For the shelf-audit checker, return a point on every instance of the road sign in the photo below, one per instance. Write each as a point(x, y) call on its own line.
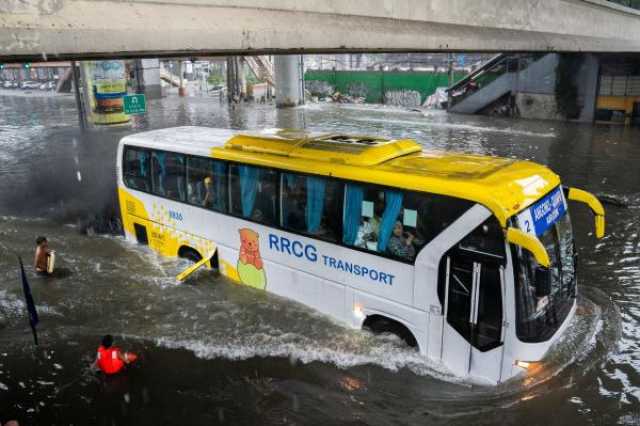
point(135, 104)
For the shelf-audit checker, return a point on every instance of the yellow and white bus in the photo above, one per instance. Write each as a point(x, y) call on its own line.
point(468, 258)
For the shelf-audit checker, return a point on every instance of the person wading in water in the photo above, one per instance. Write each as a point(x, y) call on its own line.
point(111, 359)
point(42, 255)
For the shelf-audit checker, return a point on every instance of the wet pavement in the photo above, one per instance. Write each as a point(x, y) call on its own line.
point(216, 353)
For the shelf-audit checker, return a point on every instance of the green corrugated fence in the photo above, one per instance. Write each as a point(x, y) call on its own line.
point(372, 85)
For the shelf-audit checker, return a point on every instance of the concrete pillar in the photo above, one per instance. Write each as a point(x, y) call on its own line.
point(242, 75)
point(587, 82)
point(182, 90)
point(80, 104)
point(150, 72)
point(233, 80)
point(289, 80)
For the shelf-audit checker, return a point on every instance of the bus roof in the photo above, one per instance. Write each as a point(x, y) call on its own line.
point(505, 186)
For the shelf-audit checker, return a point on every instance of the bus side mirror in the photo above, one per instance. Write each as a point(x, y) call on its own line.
point(594, 204)
point(531, 243)
point(543, 281)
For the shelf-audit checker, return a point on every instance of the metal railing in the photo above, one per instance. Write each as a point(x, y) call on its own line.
point(482, 77)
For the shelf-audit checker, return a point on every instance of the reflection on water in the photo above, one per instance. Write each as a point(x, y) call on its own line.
point(214, 352)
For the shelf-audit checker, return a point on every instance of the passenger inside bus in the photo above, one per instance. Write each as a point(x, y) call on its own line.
point(206, 183)
point(207, 199)
point(389, 221)
point(401, 242)
point(366, 233)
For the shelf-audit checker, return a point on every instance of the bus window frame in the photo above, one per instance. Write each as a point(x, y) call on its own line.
point(125, 149)
point(184, 171)
point(188, 157)
point(338, 239)
point(277, 213)
point(278, 226)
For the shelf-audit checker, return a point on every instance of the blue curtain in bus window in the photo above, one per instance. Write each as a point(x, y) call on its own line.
point(180, 177)
point(289, 182)
point(162, 173)
point(143, 163)
point(393, 205)
point(315, 203)
point(248, 188)
point(220, 177)
point(352, 213)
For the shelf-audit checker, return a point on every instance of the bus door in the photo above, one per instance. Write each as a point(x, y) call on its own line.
point(471, 284)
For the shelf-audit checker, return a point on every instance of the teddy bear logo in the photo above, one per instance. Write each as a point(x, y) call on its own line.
point(250, 266)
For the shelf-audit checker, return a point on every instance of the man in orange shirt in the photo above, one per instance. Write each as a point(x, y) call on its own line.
point(110, 358)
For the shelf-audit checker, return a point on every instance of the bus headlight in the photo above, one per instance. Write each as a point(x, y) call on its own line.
point(530, 366)
point(357, 311)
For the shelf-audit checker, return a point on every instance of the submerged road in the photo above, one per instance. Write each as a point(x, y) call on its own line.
point(216, 353)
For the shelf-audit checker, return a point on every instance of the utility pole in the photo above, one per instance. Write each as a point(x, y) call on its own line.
point(450, 63)
point(181, 89)
point(82, 116)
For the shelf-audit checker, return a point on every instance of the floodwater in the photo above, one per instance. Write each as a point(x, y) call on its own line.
point(217, 353)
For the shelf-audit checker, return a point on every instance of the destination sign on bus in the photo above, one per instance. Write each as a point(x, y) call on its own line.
point(544, 213)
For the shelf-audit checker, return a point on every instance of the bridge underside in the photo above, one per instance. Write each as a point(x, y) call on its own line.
point(80, 29)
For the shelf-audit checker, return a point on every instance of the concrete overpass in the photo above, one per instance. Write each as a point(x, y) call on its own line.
point(77, 29)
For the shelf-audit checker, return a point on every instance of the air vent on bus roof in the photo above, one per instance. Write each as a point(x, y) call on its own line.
point(352, 139)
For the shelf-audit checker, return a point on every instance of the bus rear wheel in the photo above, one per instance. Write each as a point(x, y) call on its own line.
point(189, 254)
point(379, 324)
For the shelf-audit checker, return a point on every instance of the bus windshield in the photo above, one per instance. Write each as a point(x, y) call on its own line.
point(538, 318)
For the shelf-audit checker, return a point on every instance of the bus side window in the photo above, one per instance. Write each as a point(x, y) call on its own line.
point(175, 177)
point(369, 218)
point(394, 222)
point(254, 193)
point(207, 183)
point(136, 169)
point(311, 204)
point(197, 172)
point(486, 240)
point(219, 197)
point(360, 221)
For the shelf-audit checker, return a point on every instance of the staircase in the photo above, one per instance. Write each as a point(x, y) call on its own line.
point(172, 79)
point(493, 80)
point(64, 84)
point(261, 67)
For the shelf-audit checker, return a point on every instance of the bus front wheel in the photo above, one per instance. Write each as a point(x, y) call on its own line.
point(379, 324)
